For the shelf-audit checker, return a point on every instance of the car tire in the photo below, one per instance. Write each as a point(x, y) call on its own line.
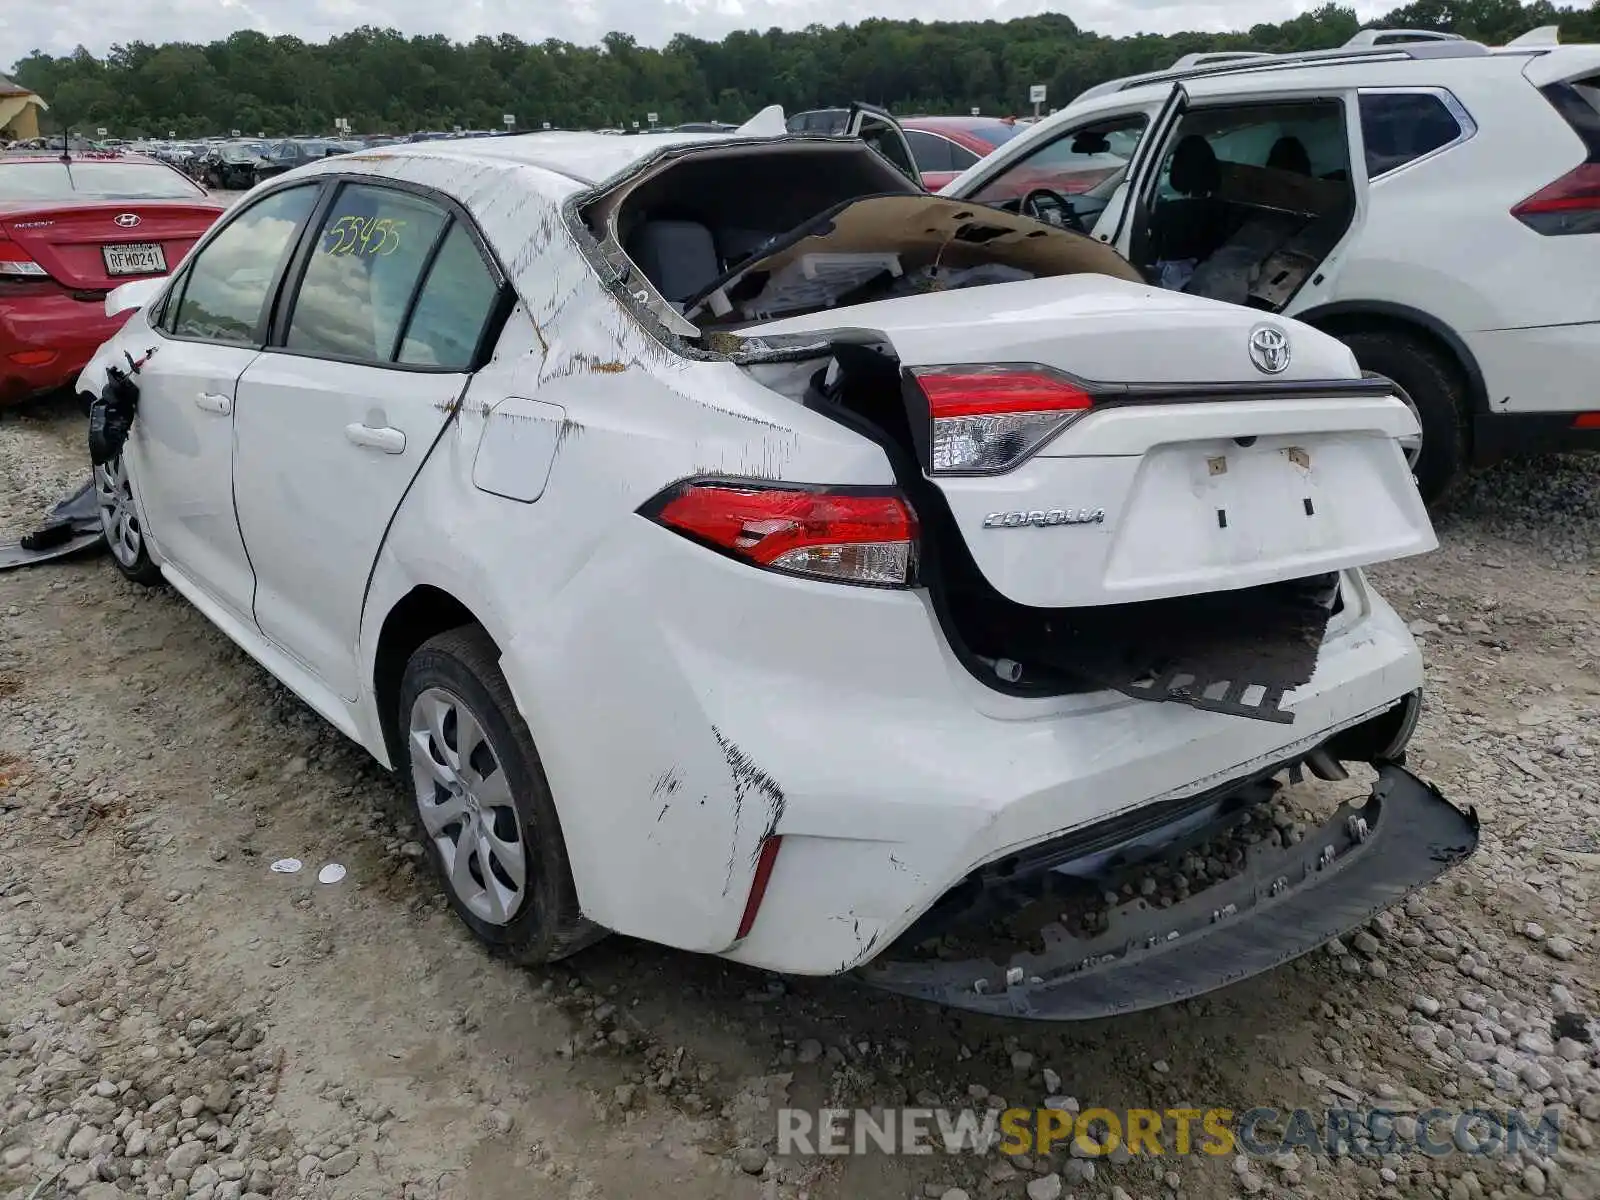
point(119, 522)
point(1432, 385)
point(476, 824)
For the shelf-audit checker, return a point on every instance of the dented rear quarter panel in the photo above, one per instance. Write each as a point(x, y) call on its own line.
point(661, 810)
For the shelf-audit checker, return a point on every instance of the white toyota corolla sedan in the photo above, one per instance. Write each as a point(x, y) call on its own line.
point(733, 546)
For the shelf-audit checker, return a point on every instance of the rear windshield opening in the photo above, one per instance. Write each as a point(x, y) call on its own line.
point(91, 180)
point(755, 233)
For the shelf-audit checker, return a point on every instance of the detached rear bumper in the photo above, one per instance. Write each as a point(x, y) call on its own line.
point(1284, 904)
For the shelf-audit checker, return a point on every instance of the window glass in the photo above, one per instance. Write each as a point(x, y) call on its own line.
point(960, 157)
point(932, 153)
point(454, 305)
point(363, 269)
point(1078, 160)
point(93, 179)
point(1397, 127)
point(225, 293)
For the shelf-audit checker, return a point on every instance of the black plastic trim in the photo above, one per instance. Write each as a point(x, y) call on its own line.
point(1497, 436)
point(1477, 390)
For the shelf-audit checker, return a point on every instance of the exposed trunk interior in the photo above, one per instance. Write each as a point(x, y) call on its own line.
point(1249, 202)
point(1234, 651)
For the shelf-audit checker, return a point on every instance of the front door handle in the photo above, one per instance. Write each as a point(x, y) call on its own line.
point(387, 439)
point(214, 402)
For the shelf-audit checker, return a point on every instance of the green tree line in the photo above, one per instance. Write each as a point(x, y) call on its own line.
point(383, 81)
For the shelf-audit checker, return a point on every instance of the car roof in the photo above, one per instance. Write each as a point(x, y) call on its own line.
point(584, 157)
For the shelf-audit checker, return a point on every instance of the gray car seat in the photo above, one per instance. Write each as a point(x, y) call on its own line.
point(679, 257)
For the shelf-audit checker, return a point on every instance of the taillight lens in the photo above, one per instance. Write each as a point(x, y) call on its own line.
point(988, 419)
point(863, 537)
point(1569, 205)
point(17, 262)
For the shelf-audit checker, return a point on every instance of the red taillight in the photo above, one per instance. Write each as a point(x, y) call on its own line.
point(765, 860)
point(846, 536)
point(1590, 420)
point(17, 262)
point(989, 419)
point(1569, 205)
point(33, 358)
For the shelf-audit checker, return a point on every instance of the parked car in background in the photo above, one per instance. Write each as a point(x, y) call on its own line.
point(867, 122)
point(946, 146)
point(234, 166)
point(1432, 202)
point(297, 152)
point(953, 457)
point(71, 229)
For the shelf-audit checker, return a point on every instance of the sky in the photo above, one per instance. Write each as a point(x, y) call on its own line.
point(59, 26)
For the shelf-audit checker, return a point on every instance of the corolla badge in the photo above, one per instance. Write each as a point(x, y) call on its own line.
point(125, 220)
point(1041, 518)
point(1269, 349)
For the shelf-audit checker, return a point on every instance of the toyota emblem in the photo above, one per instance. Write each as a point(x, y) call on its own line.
point(1269, 349)
point(126, 220)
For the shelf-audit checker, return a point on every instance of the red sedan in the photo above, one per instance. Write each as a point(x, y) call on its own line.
point(71, 229)
point(946, 146)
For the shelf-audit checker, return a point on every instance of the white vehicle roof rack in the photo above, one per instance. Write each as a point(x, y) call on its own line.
point(1398, 37)
point(1217, 56)
point(1545, 35)
point(1442, 46)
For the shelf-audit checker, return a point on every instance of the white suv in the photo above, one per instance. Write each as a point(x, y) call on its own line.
point(1435, 204)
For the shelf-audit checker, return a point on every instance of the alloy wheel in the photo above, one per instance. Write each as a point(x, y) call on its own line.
point(464, 799)
point(118, 518)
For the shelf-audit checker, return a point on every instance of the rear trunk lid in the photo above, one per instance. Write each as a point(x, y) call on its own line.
point(98, 245)
point(1103, 442)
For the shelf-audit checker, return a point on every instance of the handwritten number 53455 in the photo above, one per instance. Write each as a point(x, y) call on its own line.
point(368, 236)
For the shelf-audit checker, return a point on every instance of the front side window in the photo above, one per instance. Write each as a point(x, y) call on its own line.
point(226, 289)
point(364, 267)
point(1398, 127)
point(1079, 160)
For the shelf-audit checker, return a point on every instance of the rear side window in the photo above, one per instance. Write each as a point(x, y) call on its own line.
point(453, 307)
point(225, 290)
point(369, 254)
point(932, 153)
point(1399, 127)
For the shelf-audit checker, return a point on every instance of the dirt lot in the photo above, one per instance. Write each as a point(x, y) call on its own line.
point(176, 1020)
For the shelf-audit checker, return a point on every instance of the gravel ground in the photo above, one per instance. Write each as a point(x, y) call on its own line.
point(176, 1020)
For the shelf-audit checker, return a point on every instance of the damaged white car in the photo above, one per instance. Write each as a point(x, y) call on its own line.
point(733, 546)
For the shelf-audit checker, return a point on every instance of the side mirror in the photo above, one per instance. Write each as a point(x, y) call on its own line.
point(1090, 142)
point(133, 295)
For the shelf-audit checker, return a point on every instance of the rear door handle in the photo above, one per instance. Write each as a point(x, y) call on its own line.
point(387, 439)
point(214, 402)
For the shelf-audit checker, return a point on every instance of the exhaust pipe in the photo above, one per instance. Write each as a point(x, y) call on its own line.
point(1325, 766)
